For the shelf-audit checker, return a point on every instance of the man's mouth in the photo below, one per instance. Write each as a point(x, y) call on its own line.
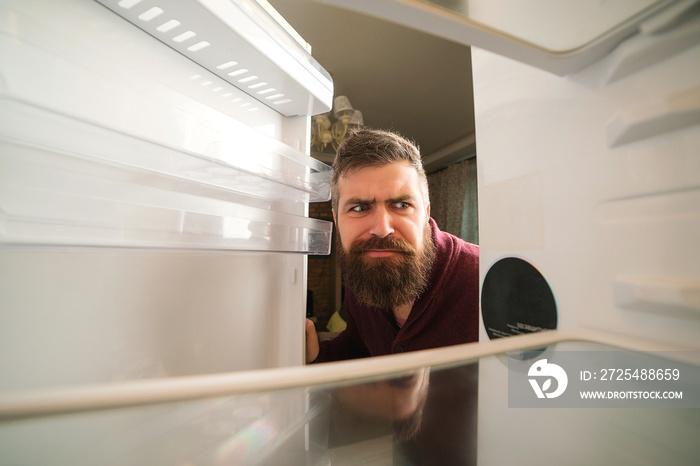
point(381, 252)
point(381, 247)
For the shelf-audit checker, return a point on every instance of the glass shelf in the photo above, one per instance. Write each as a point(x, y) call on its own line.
point(397, 409)
point(245, 430)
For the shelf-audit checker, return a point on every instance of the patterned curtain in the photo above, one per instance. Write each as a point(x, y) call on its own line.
point(453, 200)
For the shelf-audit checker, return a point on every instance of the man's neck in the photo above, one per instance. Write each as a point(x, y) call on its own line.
point(401, 312)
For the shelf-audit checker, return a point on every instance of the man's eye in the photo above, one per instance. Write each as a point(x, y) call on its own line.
point(359, 208)
point(402, 205)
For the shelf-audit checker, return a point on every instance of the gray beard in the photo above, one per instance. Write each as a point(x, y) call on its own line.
point(387, 282)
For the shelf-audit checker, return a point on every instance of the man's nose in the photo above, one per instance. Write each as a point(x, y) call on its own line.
point(382, 223)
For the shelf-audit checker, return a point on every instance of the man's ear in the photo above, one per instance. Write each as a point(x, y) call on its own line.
point(428, 210)
point(335, 218)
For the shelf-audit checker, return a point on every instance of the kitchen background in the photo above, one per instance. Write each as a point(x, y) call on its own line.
point(403, 80)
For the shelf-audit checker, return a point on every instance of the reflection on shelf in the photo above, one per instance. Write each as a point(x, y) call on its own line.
point(396, 409)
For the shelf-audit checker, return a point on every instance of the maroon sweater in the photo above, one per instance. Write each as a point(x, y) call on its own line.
point(447, 313)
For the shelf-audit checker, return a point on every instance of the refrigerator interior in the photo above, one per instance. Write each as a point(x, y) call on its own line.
point(595, 174)
point(598, 181)
point(154, 191)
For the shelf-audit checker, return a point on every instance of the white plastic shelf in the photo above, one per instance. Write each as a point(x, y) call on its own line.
point(107, 141)
point(240, 42)
point(51, 197)
point(241, 160)
point(67, 87)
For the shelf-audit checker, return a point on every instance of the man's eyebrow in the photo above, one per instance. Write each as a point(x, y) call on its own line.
point(401, 198)
point(358, 200)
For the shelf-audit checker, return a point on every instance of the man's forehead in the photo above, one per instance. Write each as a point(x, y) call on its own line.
point(397, 175)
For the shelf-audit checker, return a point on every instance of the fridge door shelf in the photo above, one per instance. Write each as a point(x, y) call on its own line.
point(238, 159)
point(242, 43)
point(52, 197)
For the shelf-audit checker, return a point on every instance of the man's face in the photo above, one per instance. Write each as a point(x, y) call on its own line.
point(381, 201)
point(382, 221)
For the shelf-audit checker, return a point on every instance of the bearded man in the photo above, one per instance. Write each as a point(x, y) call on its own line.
point(409, 286)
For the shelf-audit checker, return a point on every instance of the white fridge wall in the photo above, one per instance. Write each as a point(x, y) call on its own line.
point(612, 227)
point(591, 217)
point(74, 317)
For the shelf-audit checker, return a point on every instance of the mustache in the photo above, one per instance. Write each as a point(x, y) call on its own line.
point(388, 242)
